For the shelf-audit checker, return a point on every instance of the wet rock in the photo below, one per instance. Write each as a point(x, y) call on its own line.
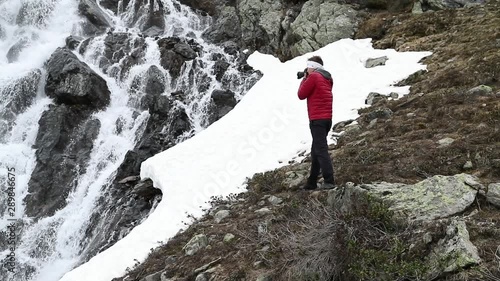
point(93, 13)
point(72, 42)
point(64, 142)
point(72, 82)
point(16, 49)
point(174, 53)
point(153, 31)
point(122, 52)
point(21, 93)
point(223, 102)
point(220, 67)
point(113, 4)
point(145, 189)
point(155, 18)
point(208, 6)
point(154, 87)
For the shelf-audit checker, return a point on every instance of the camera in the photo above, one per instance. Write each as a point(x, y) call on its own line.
point(301, 74)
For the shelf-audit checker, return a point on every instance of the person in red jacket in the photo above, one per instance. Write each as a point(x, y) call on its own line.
point(316, 87)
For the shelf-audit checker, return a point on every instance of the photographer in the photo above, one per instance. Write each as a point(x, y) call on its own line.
point(316, 87)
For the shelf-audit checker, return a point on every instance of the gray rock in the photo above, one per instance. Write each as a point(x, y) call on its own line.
point(379, 113)
point(493, 194)
point(468, 165)
point(274, 200)
point(394, 95)
point(263, 211)
point(220, 215)
point(153, 31)
point(319, 23)
point(94, 14)
point(72, 82)
point(64, 142)
point(447, 4)
point(433, 198)
point(264, 277)
point(174, 53)
point(198, 242)
point(72, 42)
point(374, 97)
point(481, 90)
point(225, 28)
point(201, 277)
point(373, 62)
point(228, 237)
point(130, 179)
point(146, 190)
point(153, 277)
point(445, 142)
point(223, 101)
point(454, 251)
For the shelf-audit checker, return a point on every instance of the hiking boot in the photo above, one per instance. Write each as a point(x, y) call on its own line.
point(327, 185)
point(310, 186)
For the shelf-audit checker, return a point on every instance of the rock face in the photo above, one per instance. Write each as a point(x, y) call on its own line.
point(72, 82)
point(283, 28)
point(67, 131)
point(64, 142)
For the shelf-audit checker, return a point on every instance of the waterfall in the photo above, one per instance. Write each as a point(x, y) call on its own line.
point(46, 247)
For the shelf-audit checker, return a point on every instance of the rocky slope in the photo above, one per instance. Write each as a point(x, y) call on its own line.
point(420, 227)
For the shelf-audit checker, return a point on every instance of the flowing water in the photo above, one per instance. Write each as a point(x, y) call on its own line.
point(45, 248)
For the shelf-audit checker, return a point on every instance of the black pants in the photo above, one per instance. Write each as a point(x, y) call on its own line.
point(319, 151)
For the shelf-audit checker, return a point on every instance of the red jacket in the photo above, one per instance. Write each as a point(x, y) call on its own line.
point(317, 89)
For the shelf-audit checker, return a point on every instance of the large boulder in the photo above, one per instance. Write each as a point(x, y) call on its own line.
point(223, 101)
point(433, 198)
point(72, 82)
point(64, 142)
point(174, 52)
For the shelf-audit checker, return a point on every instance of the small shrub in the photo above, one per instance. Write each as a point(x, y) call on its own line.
point(267, 181)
